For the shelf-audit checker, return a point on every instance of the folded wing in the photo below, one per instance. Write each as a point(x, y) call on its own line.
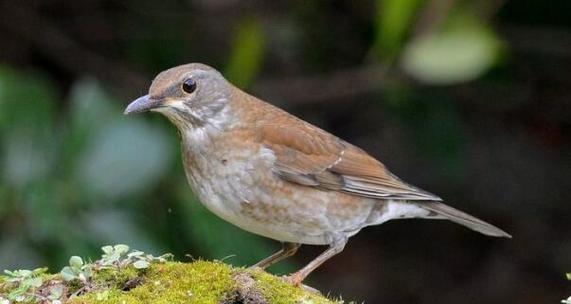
point(312, 157)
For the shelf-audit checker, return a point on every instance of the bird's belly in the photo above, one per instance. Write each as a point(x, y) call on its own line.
point(312, 218)
point(249, 195)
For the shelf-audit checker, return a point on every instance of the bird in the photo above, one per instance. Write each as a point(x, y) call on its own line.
point(278, 176)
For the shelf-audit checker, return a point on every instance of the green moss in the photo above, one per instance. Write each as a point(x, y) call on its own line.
point(200, 282)
point(276, 291)
point(10, 289)
point(115, 279)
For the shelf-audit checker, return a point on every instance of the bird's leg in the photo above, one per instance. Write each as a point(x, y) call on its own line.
point(334, 248)
point(288, 249)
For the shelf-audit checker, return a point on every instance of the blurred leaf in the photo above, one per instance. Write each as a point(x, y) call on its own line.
point(141, 264)
point(112, 226)
point(247, 53)
point(26, 100)
point(26, 115)
point(441, 136)
point(123, 157)
point(119, 155)
point(76, 261)
point(90, 106)
point(43, 204)
point(393, 22)
point(437, 130)
point(162, 44)
point(16, 253)
point(5, 200)
point(462, 52)
point(26, 157)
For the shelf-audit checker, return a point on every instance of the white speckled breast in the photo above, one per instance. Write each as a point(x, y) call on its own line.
point(234, 180)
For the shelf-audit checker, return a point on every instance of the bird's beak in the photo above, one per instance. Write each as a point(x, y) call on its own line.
point(142, 104)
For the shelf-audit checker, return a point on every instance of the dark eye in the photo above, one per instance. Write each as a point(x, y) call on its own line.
point(189, 85)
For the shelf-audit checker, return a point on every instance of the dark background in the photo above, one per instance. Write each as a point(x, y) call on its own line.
point(467, 99)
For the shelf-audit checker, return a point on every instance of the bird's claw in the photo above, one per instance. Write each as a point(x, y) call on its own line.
point(295, 279)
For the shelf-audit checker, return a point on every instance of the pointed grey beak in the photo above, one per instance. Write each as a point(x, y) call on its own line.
point(142, 104)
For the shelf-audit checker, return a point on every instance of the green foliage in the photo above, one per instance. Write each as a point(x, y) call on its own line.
point(144, 150)
point(462, 51)
point(119, 256)
point(116, 266)
point(393, 23)
point(26, 116)
point(247, 53)
point(76, 270)
point(434, 126)
point(21, 284)
point(57, 166)
point(120, 277)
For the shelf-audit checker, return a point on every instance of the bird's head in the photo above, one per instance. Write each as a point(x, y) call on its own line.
point(190, 95)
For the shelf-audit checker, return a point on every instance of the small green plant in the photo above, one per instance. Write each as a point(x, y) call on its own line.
point(55, 293)
point(120, 257)
point(22, 284)
point(123, 276)
point(77, 270)
point(35, 286)
point(114, 257)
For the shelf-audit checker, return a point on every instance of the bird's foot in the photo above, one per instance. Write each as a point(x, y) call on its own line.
point(295, 279)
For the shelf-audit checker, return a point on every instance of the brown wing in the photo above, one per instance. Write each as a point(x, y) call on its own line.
point(310, 156)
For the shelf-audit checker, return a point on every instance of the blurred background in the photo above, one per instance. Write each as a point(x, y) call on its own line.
point(467, 99)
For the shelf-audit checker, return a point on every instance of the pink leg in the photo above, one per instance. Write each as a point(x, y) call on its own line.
point(297, 277)
point(288, 249)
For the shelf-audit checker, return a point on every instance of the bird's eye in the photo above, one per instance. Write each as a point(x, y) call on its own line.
point(189, 85)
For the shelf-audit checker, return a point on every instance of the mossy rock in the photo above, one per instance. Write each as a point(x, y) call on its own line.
point(199, 282)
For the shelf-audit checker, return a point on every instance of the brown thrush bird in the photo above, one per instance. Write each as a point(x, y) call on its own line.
point(273, 174)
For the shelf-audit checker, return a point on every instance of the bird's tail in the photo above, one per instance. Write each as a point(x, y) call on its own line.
point(464, 219)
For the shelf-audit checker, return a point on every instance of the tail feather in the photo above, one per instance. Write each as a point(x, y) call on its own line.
point(464, 219)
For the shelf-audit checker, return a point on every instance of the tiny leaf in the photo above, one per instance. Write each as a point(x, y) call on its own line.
point(141, 264)
point(36, 282)
point(75, 261)
point(135, 254)
point(56, 292)
point(107, 249)
point(121, 249)
point(461, 52)
point(67, 274)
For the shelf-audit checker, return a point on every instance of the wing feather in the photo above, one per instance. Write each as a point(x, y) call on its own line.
point(309, 156)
